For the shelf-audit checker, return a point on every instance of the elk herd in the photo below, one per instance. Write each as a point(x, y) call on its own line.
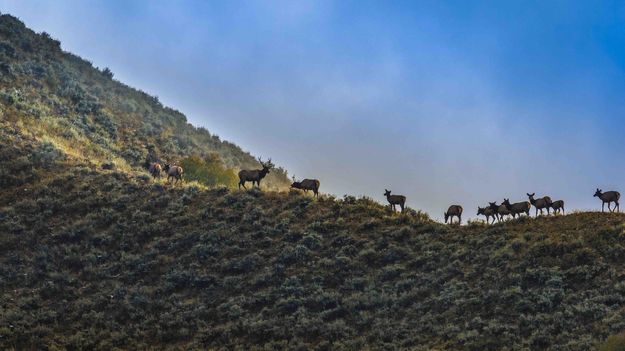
point(493, 212)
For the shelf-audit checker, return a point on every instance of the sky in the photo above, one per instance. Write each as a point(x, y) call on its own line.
point(446, 102)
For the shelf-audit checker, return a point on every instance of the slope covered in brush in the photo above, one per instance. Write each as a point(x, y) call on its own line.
point(69, 111)
point(92, 259)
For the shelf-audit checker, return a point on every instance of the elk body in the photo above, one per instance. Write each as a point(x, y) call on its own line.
point(495, 208)
point(256, 175)
point(395, 200)
point(540, 204)
point(155, 170)
point(518, 207)
point(609, 197)
point(173, 172)
point(453, 211)
point(503, 211)
point(557, 206)
point(307, 184)
point(488, 213)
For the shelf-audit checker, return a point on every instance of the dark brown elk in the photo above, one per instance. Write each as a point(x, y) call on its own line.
point(518, 207)
point(155, 170)
point(395, 200)
point(488, 213)
point(540, 204)
point(609, 197)
point(503, 211)
point(557, 206)
point(453, 211)
point(173, 172)
point(307, 184)
point(493, 206)
point(256, 175)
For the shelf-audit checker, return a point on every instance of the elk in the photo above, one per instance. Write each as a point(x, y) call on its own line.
point(609, 197)
point(493, 206)
point(453, 211)
point(307, 184)
point(155, 170)
point(256, 175)
point(395, 200)
point(517, 208)
point(503, 211)
point(557, 206)
point(540, 204)
point(173, 172)
point(487, 212)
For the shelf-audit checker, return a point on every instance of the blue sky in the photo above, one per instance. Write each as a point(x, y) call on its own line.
point(444, 101)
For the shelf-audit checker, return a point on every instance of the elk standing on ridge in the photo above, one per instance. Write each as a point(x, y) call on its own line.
point(254, 176)
point(155, 170)
point(453, 211)
point(540, 204)
point(609, 197)
point(503, 211)
point(487, 212)
point(557, 206)
point(517, 208)
point(307, 184)
point(493, 206)
point(173, 172)
point(395, 200)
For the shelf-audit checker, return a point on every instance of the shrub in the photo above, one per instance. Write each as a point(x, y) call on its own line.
point(209, 171)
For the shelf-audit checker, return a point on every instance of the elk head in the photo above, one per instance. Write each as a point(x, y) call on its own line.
point(387, 192)
point(480, 210)
point(598, 193)
point(266, 165)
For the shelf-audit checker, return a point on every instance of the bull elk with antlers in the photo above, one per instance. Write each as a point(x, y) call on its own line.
point(256, 175)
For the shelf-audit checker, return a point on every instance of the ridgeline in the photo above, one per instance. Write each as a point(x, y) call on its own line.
point(106, 258)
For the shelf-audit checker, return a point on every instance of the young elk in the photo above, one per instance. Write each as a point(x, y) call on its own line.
point(307, 184)
point(395, 200)
point(487, 212)
point(173, 172)
point(557, 206)
point(155, 170)
point(540, 204)
point(517, 208)
point(254, 176)
point(609, 197)
point(453, 211)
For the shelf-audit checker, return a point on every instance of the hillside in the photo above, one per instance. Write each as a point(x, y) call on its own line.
point(68, 111)
point(104, 258)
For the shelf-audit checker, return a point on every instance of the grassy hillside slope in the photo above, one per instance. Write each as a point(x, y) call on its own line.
point(92, 259)
point(70, 111)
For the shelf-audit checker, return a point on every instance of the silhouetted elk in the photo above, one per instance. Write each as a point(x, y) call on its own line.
point(155, 170)
point(487, 212)
point(493, 206)
point(609, 197)
point(503, 211)
point(173, 172)
point(540, 204)
point(307, 184)
point(453, 211)
point(517, 208)
point(395, 200)
point(254, 176)
point(557, 206)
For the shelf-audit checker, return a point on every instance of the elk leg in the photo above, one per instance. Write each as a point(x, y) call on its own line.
point(617, 207)
point(609, 208)
point(459, 219)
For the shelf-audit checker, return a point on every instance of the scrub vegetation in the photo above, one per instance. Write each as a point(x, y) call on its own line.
point(95, 254)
